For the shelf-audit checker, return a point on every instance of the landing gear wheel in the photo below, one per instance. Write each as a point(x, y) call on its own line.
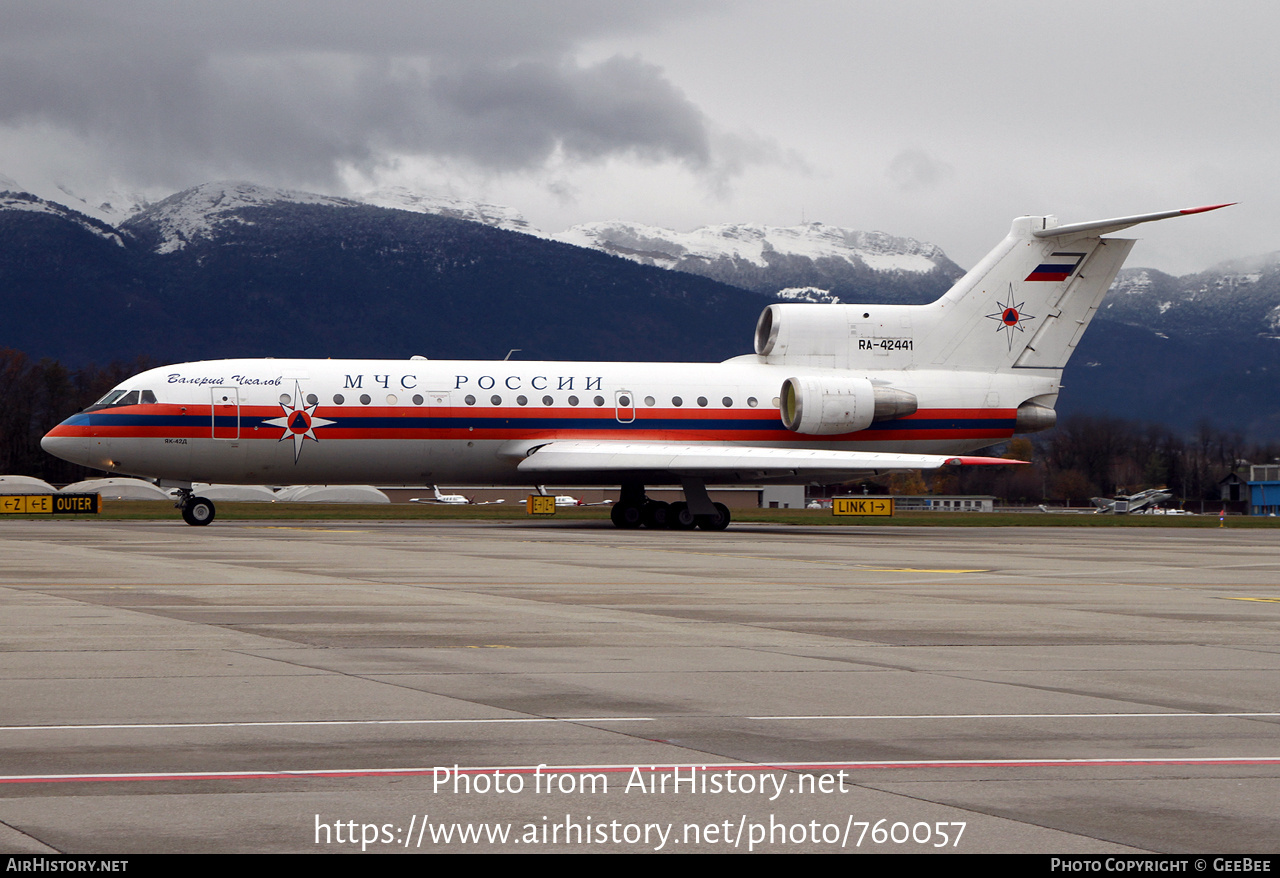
point(198, 511)
point(679, 517)
point(656, 514)
point(626, 515)
point(719, 521)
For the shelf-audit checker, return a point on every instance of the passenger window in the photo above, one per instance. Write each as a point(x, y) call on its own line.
point(365, 399)
point(522, 400)
point(728, 403)
point(649, 400)
point(677, 401)
point(312, 399)
point(339, 399)
point(573, 400)
point(495, 399)
point(702, 400)
point(546, 400)
point(599, 400)
point(417, 399)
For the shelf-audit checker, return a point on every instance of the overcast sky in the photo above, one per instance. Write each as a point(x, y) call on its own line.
point(937, 120)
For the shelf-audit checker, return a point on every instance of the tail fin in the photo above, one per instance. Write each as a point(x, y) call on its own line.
point(1027, 303)
point(1024, 306)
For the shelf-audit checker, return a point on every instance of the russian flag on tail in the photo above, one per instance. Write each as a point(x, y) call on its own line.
point(1060, 267)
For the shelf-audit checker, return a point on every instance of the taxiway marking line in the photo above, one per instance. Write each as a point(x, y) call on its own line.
point(335, 722)
point(625, 719)
point(842, 565)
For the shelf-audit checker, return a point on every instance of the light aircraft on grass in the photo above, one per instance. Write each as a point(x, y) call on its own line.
point(447, 499)
point(832, 392)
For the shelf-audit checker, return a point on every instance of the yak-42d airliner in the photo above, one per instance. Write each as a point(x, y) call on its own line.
point(832, 392)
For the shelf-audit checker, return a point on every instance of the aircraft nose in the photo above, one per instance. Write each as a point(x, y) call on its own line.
point(72, 448)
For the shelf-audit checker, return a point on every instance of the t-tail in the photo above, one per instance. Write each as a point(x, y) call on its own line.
point(1024, 306)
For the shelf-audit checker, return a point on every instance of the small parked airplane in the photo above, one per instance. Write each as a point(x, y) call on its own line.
point(449, 499)
point(831, 392)
point(1143, 501)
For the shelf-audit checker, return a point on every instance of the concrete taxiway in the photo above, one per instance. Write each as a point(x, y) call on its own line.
point(310, 687)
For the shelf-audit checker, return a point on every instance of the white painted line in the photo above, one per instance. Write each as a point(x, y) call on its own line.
point(630, 719)
point(336, 722)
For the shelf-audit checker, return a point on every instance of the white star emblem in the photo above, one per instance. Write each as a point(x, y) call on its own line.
point(299, 421)
point(1010, 317)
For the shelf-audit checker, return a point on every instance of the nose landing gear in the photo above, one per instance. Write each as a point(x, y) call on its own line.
point(196, 511)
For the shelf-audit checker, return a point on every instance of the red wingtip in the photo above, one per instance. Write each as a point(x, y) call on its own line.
point(985, 461)
point(1205, 209)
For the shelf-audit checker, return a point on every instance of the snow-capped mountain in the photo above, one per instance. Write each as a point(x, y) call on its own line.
point(812, 295)
point(1240, 296)
point(755, 245)
point(14, 198)
point(200, 212)
point(112, 207)
point(403, 198)
point(845, 264)
point(234, 269)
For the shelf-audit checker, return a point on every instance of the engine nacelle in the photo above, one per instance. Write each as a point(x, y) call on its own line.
point(1033, 417)
point(824, 406)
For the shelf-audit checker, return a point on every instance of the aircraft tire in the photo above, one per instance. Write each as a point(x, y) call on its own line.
point(626, 515)
point(656, 514)
point(719, 521)
point(198, 511)
point(679, 517)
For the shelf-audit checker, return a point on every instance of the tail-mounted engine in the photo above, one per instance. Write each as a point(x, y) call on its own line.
point(842, 404)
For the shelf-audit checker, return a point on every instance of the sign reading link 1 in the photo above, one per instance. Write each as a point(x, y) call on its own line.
point(861, 506)
point(50, 504)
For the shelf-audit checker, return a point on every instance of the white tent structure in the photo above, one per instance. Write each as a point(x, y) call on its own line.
point(25, 485)
point(236, 493)
point(118, 489)
point(331, 494)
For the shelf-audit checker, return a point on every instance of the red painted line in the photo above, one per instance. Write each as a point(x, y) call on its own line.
point(653, 768)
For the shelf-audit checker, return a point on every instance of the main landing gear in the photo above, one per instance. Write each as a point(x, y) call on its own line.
point(634, 509)
point(196, 511)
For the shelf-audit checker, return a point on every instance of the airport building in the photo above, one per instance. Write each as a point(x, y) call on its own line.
point(1264, 489)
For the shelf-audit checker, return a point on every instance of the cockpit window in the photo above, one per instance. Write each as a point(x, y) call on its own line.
point(117, 398)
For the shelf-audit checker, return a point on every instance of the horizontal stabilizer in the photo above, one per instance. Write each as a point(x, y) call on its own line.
point(1106, 226)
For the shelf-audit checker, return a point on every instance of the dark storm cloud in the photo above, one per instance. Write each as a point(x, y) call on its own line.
point(169, 90)
point(620, 105)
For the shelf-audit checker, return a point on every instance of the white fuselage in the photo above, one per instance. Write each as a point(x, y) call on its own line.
point(471, 422)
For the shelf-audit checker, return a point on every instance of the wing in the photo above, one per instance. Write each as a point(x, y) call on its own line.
point(727, 461)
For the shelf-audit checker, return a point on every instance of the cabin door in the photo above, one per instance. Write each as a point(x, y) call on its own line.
point(226, 412)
